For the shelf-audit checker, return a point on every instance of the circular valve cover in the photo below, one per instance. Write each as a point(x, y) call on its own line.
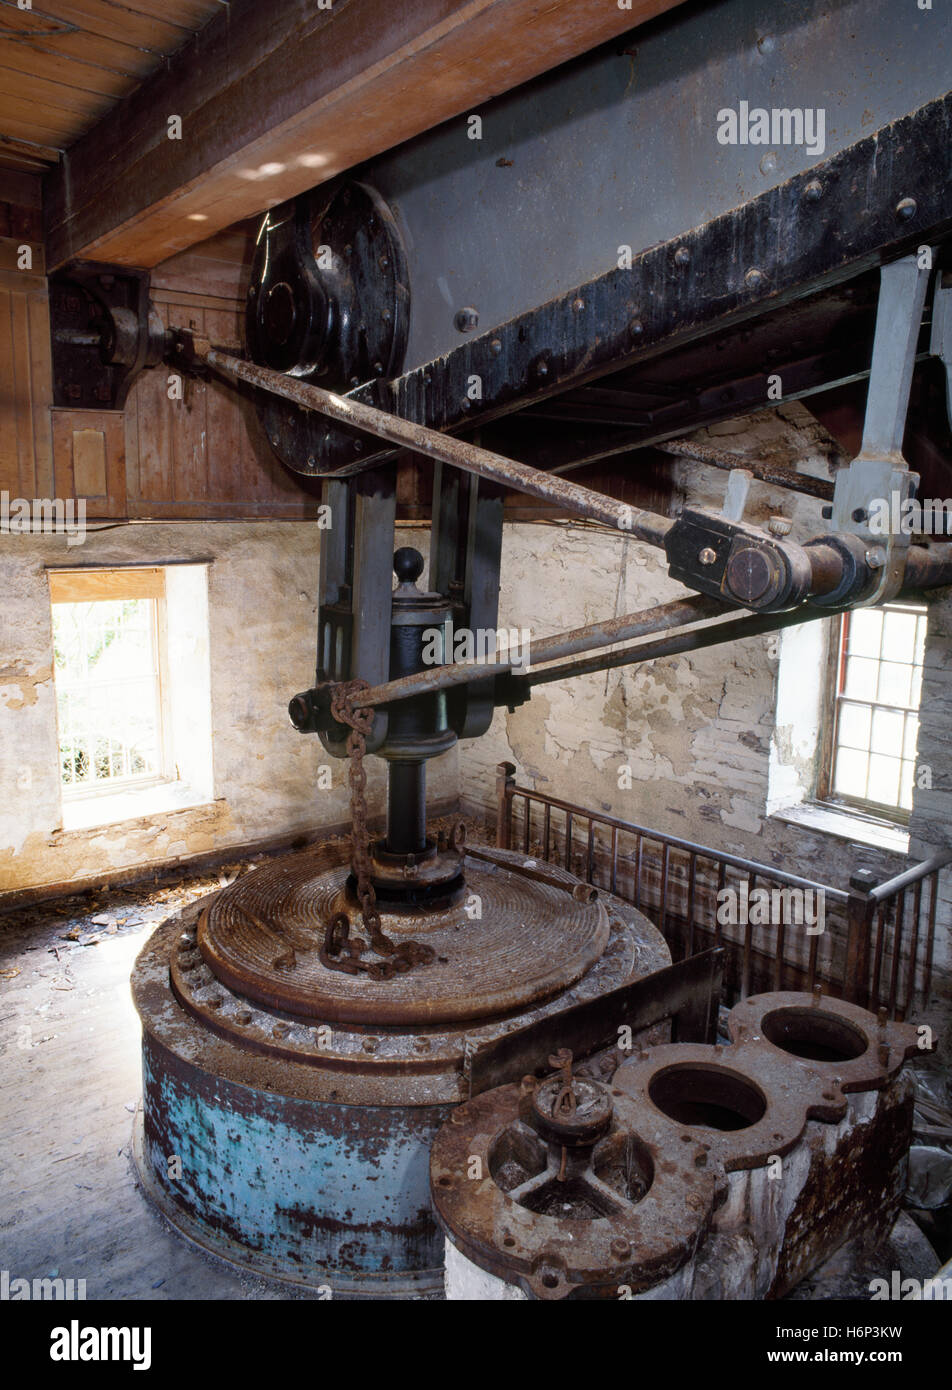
point(509, 942)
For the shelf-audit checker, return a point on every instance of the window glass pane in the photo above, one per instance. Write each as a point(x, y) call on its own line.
point(911, 737)
point(850, 775)
point(883, 779)
point(887, 732)
point(894, 683)
point(865, 632)
point(905, 785)
point(899, 636)
point(860, 678)
point(854, 725)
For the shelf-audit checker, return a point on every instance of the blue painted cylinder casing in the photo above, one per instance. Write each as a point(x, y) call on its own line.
point(331, 1191)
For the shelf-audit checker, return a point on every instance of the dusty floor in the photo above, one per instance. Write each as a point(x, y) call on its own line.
point(70, 1205)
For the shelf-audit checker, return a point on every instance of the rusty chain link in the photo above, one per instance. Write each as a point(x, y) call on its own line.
point(337, 938)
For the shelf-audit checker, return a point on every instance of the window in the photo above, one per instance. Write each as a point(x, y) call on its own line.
point(109, 657)
point(876, 677)
point(133, 691)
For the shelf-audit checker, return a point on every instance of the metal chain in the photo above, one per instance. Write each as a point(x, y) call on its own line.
point(409, 953)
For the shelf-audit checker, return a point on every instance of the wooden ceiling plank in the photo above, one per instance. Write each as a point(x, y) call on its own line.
point(25, 30)
point(52, 96)
point(19, 119)
point(115, 22)
point(71, 72)
point(273, 102)
point(190, 14)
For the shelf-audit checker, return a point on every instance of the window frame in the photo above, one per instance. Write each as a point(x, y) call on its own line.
point(119, 584)
point(828, 744)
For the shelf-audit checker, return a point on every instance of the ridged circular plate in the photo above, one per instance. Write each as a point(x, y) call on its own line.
point(263, 933)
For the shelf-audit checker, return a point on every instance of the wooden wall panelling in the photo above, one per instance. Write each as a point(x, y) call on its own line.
point(189, 436)
point(223, 417)
point(148, 408)
point(9, 455)
point(25, 386)
point(89, 459)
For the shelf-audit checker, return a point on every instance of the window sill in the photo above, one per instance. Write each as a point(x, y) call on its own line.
point(831, 820)
point(132, 803)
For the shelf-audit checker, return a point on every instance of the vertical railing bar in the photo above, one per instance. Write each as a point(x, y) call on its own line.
point(692, 893)
point(811, 968)
point(526, 824)
point(748, 941)
point(896, 952)
point(930, 938)
point(569, 820)
point(591, 849)
point(779, 947)
point(665, 864)
point(546, 831)
point(913, 952)
point(721, 882)
point(614, 879)
point(638, 871)
point(878, 956)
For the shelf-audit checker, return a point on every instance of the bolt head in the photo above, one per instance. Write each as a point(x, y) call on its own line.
point(813, 191)
point(707, 556)
point(467, 319)
point(779, 525)
point(906, 208)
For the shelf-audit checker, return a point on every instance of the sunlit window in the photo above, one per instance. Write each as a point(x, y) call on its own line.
point(107, 644)
point(877, 685)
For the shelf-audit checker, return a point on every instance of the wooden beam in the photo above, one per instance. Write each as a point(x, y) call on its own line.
point(275, 99)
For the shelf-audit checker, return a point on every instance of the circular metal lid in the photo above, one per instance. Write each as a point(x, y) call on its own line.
point(510, 942)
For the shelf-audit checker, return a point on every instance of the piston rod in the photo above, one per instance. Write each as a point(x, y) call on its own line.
point(458, 453)
point(678, 613)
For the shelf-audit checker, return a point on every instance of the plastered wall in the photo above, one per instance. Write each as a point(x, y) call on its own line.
point(262, 625)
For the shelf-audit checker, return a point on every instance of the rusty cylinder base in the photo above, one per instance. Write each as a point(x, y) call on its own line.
point(287, 1127)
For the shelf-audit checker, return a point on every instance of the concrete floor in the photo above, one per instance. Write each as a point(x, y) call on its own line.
point(70, 1204)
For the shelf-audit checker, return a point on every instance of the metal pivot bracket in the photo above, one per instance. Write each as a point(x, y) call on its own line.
point(732, 560)
point(873, 489)
point(104, 330)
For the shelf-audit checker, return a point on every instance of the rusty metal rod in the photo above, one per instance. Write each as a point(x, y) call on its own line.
point(765, 473)
point(678, 613)
point(710, 636)
point(627, 520)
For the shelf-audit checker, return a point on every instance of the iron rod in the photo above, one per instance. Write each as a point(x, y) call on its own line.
point(458, 453)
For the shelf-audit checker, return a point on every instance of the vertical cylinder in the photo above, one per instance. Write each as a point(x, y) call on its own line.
point(406, 808)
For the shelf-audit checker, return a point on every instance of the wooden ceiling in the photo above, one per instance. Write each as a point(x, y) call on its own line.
point(65, 63)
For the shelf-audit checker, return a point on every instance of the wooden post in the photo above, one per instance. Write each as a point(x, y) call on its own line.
point(505, 782)
point(859, 913)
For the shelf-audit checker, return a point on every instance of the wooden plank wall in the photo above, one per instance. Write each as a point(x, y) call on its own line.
point(26, 454)
point(205, 455)
point(201, 456)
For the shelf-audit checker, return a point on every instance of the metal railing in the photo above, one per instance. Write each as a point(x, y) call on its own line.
point(872, 943)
